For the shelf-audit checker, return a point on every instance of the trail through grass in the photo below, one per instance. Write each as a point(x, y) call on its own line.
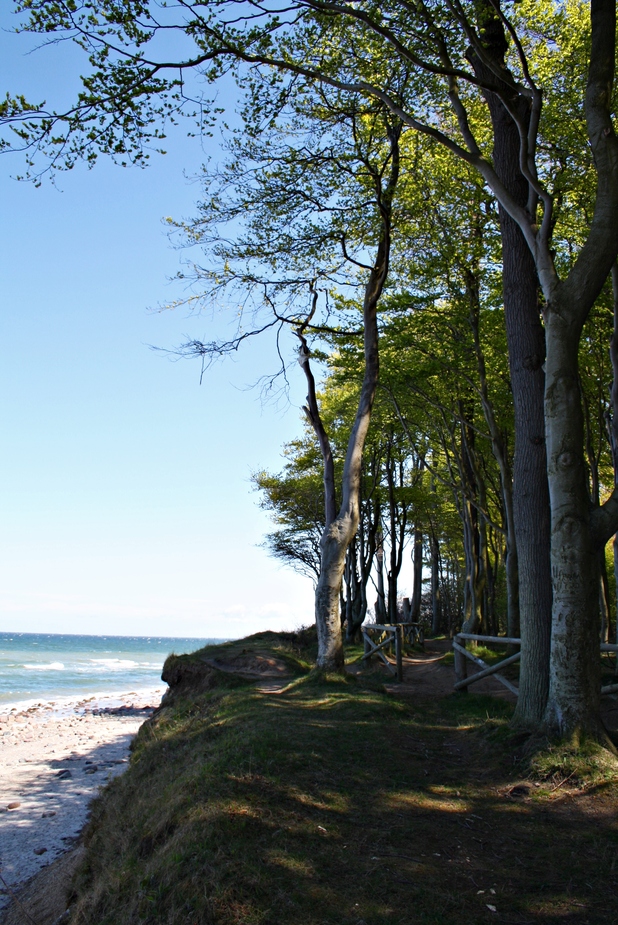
point(330, 804)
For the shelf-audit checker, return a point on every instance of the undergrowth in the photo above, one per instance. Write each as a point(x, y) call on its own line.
point(587, 765)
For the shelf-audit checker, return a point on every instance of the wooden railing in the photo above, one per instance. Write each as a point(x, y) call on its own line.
point(389, 635)
point(461, 665)
point(609, 647)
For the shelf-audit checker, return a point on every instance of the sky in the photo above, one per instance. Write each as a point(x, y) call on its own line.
point(125, 498)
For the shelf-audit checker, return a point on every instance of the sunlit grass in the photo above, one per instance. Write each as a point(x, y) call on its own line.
point(332, 804)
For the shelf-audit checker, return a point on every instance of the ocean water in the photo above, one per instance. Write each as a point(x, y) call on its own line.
point(47, 666)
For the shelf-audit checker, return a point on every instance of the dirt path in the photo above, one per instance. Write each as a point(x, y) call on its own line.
point(426, 676)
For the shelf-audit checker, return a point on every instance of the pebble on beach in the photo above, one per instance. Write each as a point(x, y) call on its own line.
point(52, 763)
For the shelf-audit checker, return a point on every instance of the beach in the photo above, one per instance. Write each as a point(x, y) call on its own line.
point(54, 758)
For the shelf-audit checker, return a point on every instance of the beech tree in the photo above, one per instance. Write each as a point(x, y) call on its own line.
point(458, 228)
point(462, 56)
point(314, 196)
point(439, 401)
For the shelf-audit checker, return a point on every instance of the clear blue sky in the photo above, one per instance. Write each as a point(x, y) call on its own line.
point(125, 502)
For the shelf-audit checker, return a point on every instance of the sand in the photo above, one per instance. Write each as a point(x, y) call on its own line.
point(53, 760)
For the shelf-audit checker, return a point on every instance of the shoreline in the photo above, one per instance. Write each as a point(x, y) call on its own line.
point(54, 757)
point(66, 704)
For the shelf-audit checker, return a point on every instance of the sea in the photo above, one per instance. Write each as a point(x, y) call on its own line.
point(40, 667)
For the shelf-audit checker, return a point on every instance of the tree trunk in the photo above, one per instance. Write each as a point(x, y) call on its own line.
point(579, 531)
point(398, 519)
point(338, 535)
point(365, 543)
point(574, 681)
point(417, 587)
point(354, 613)
point(526, 348)
point(604, 605)
point(615, 546)
point(498, 444)
point(475, 571)
point(436, 603)
point(475, 528)
point(381, 601)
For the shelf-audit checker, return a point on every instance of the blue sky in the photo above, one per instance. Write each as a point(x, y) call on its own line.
point(125, 502)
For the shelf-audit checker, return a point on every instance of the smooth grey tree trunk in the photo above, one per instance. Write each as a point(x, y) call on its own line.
point(579, 531)
point(339, 533)
point(531, 513)
point(575, 682)
point(417, 587)
point(526, 349)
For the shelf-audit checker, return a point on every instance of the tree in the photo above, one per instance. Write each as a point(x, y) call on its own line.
point(438, 41)
point(312, 212)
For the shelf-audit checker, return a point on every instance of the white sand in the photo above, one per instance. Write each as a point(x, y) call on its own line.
point(90, 740)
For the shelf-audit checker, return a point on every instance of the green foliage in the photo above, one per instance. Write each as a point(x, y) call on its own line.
point(295, 500)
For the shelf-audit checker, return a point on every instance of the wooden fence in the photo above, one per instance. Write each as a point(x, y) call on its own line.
point(461, 665)
point(387, 636)
point(462, 654)
point(610, 647)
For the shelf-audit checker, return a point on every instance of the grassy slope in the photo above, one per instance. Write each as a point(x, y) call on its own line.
point(330, 803)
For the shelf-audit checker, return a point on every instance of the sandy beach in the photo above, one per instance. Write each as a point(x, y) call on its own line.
point(54, 757)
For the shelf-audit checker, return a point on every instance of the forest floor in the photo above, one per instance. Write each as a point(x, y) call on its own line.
point(285, 799)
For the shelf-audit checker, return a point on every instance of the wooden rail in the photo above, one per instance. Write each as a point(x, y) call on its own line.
point(610, 647)
point(461, 666)
point(389, 634)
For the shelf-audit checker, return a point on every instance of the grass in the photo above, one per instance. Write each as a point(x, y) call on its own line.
point(334, 804)
point(587, 765)
point(489, 655)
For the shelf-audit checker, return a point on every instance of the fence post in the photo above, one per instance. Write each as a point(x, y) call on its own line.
point(365, 646)
point(399, 650)
point(461, 664)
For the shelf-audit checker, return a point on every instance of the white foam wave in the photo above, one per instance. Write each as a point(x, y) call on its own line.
point(75, 703)
point(46, 666)
point(114, 664)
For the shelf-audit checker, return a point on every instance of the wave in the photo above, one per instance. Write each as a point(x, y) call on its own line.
point(46, 666)
point(114, 663)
